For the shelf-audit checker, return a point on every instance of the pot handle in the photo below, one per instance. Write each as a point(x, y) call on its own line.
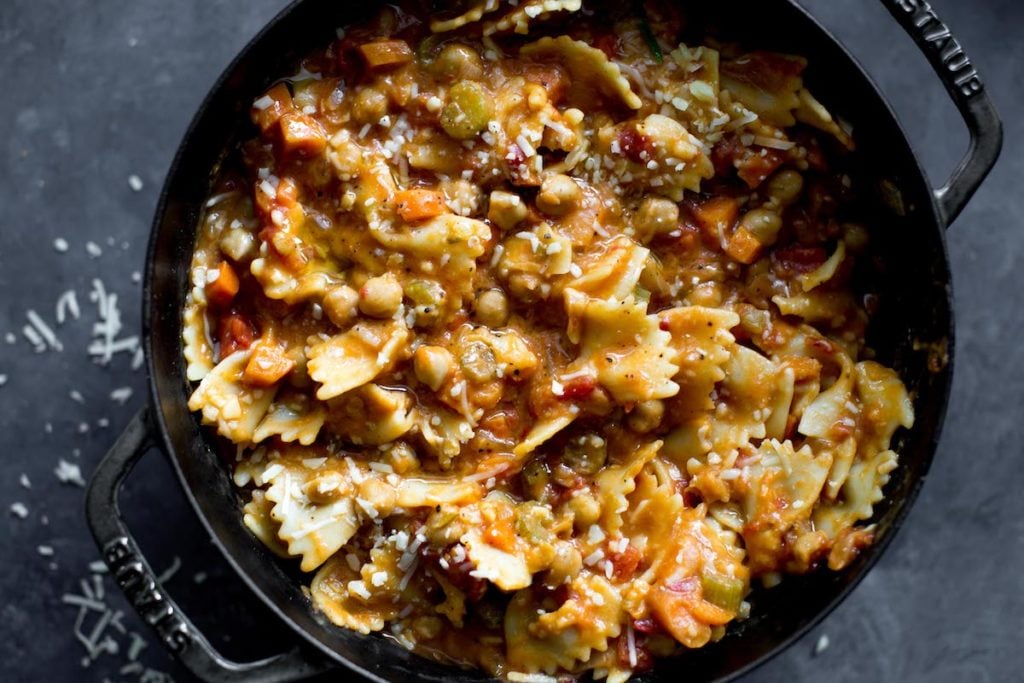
point(139, 583)
point(964, 85)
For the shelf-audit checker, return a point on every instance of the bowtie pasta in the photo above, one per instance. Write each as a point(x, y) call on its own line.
point(535, 335)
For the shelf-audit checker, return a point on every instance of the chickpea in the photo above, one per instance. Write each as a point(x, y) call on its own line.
point(646, 416)
point(506, 210)
point(655, 216)
point(402, 458)
point(238, 244)
point(764, 224)
point(432, 365)
point(705, 294)
point(785, 186)
point(381, 296)
point(340, 303)
point(327, 488)
point(457, 62)
point(491, 308)
point(369, 105)
point(525, 287)
point(585, 508)
point(559, 194)
point(567, 564)
point(478, 362)
point(379, 494)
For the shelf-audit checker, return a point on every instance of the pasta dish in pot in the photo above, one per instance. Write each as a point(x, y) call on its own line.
point(536, 331)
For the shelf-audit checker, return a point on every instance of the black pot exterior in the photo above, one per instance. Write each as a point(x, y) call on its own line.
point(912, 331)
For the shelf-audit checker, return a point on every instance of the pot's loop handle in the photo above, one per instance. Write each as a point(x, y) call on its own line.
point(964, 85)
point(139, 583)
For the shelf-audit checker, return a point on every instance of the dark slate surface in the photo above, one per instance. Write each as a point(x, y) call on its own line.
point(97, 92)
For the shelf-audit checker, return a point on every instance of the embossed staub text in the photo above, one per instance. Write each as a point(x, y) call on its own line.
point(937, 37)
point(143, 592)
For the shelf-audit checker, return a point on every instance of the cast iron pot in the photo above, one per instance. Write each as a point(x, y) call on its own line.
point(913, 331)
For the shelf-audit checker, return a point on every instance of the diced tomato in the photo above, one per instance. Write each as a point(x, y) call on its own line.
point(624, 564)
point(458, 573)
point(634, 145)
point(758, 164)
point(608, 44)
point(641, 654)
point(221, 292)
point(551, 77)
point(815, 156)
point(798, 259)
point(234, 332)
point(519, 172)
point(847, 546)
point(579, 387)
point(648, 626)
point(752, 164)
point(499, 526)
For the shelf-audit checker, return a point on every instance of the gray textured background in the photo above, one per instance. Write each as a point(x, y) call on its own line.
point(94, 92)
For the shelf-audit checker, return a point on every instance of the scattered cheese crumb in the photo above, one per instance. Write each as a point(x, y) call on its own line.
point(45, 550)
point(19, 510)
point(821, 645)
point(24, 481)
point(93, 249)
point(69, 473)
point(121, 395)
point(60, 244)
point(135, 182)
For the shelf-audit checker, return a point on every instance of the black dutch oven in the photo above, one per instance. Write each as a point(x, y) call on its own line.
point(912, 331)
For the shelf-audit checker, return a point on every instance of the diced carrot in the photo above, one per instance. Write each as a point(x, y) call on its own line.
point(287, 192)
point(222, 291)
point(499, 528)
point(756, 165)
point(267, 365)
point(418, 204)
point(278, 101)
point(743, 246)
point(716, 216)
point(234, 332)
point(301, 134)
point(386, 53)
